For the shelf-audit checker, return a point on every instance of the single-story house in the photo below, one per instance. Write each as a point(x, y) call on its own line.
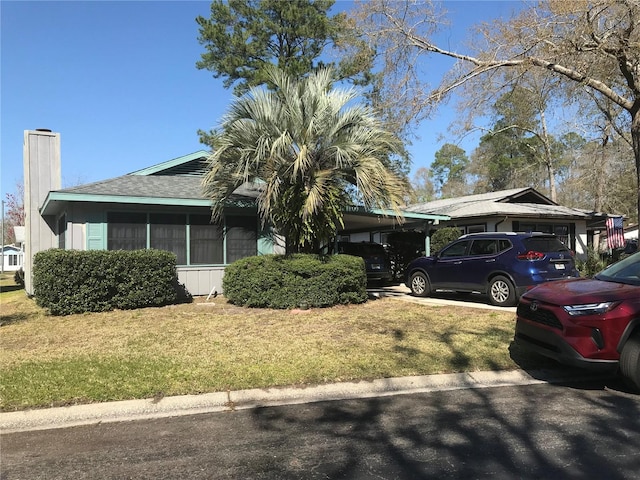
point(519, 210)
point(12, 258)
point(162, 207)
point(631, 232)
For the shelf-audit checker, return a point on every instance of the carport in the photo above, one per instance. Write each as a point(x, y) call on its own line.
point(359, 219)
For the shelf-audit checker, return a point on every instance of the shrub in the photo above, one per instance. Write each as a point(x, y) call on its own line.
point(443, 236)
point(72, 281)
point(18, 277)
point(295, 281)
point(591, 265)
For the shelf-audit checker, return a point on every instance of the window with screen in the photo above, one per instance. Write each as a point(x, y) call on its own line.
point(126, 231)
point(206, 242)
point(242, 234)
point(193, 239)
point(168, 231)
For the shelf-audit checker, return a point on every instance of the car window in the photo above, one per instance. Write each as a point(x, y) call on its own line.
point(544, 244)
point(504, 245)
point(456, 250)
point(484, 247)
point(624, 271)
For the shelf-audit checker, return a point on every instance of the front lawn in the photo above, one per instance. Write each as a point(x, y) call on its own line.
point(205, 347)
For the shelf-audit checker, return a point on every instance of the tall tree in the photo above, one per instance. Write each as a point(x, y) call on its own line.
point(519, 150)
point(593, 43)
point(14, 214)
point(243, 38)
point(503, 160)
point(523, 109)
point(314, 147)
point(422, 187)
point(449, 170)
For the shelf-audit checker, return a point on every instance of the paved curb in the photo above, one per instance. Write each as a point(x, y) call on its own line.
point(129, 410)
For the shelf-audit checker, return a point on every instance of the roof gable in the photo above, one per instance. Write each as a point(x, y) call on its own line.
point(517, 202)
point(194, 164)
point(527, 195)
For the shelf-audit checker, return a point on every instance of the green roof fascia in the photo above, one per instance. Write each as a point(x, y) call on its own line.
point(49, 207)
point(390, 213)
point(171, 163)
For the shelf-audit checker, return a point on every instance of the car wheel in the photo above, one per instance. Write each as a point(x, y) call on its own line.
point(630, 361)
point(419, 284)
point(502, 293)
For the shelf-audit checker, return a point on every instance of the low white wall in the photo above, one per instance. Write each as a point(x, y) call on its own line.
point(201, 280)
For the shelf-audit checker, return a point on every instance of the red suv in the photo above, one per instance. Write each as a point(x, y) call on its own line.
point(587, 322)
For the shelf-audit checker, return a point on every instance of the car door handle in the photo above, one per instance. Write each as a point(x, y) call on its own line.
point(490, 260)
point(459, 262)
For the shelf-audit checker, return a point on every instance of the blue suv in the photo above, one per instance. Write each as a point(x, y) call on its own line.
point(501, 265)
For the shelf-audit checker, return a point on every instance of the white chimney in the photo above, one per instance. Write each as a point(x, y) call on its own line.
point(41, 153)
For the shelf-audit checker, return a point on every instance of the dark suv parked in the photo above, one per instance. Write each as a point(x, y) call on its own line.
point(502, 265)
point(375, 259)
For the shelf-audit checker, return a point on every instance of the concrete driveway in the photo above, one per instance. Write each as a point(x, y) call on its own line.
point(470, 300)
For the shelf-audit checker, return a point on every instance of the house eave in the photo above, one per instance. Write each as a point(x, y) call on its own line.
point(558, 216)
point(55, 201)
point(361, 219)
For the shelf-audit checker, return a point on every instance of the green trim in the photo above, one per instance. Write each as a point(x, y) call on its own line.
point(50, 205)
point(171, 163)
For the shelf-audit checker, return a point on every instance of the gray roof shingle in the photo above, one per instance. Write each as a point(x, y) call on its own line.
point(521, 201)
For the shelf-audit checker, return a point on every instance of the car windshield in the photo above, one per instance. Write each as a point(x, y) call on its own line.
point(369, 250)
point(362, 249)
point(625, 271)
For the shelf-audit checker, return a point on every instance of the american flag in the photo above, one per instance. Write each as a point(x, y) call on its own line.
point(615, 232)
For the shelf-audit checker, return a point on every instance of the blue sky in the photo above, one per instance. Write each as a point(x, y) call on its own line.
point(117, 80)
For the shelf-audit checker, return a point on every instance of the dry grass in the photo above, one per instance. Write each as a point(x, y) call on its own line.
point(203, 347)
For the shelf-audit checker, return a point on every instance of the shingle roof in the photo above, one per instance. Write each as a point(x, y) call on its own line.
point(157, 186)
point(520, 201)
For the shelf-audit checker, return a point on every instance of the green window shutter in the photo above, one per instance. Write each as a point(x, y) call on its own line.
point(96, 232)
point(265, 240)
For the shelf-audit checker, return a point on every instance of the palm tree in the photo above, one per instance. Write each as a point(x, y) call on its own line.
point(313, 148)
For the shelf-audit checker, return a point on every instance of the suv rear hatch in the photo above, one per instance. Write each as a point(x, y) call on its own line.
point(549, 257)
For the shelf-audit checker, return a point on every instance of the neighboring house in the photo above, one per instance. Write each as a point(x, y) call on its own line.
point(519, 210)
point(631, 232)
point(12, 258)
point(161, 207)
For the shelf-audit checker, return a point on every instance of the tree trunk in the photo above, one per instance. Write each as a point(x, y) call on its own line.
point(635, 139)
point(548, 158)
point(601, 170)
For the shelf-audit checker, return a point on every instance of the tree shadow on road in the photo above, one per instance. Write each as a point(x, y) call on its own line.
point(541, 431)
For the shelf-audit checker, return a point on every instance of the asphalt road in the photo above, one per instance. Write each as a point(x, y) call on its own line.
point(543, 431)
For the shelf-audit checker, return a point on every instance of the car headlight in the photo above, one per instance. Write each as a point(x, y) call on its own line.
point(589, 308)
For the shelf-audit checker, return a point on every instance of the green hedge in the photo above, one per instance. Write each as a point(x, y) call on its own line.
point(295, 281)
point(73, 281)
point(442, 237)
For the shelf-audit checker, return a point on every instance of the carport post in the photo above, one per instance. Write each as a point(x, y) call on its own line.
point(427, 239)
